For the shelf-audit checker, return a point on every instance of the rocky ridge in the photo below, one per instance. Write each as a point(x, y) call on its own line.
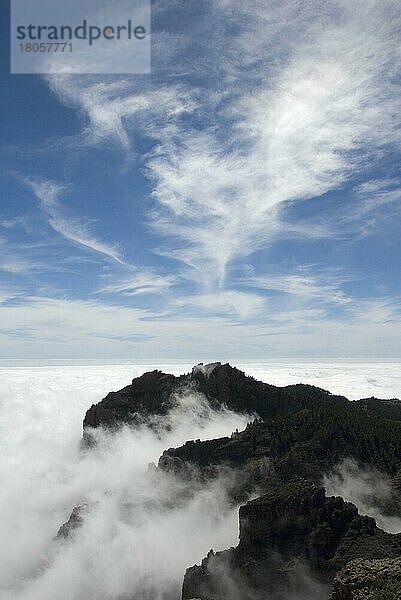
point(294, 525)
point(153, 394)
point(292, 532)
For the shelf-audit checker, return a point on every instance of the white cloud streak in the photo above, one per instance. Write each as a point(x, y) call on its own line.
point(304, 286)
point(304, 131)
point(140, 282)
point(7, 293)
point(294, 129)
point(237, 304)
point(112, 108)
point(73, 229)
point(22, 259)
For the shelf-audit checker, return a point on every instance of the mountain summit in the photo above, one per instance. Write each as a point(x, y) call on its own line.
point(292, 536)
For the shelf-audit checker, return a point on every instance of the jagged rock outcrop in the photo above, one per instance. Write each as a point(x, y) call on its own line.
point(293, 527)
point(74, 522)
point(293, 539)
point(368, 580)
point(306, 444)
point(149, 394)
point(223, 385)
point(300, 427)
point(288, 433)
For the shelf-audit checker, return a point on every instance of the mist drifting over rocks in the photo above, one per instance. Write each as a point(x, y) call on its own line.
point(366, 487)
point(136, 528)
point(142, 528)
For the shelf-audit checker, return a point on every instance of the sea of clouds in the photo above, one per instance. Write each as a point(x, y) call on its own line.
point(142, 529)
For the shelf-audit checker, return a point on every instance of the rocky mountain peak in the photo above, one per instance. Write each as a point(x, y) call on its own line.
point(204, 370)
point(297, 522)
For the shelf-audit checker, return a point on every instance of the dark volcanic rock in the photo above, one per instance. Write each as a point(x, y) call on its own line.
point(296, 410)
point(223, 385)
point(295, 522)
point(74, 522)
point(154, 394)
point(368, 580)
point(293, 539)
point(306, 444)
point(149, 394)
point(241, 393)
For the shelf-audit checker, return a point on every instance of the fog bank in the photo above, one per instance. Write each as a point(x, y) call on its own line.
point(142, 529)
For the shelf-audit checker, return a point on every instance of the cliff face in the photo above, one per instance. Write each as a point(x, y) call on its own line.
point(293, 539)
point(294, 526)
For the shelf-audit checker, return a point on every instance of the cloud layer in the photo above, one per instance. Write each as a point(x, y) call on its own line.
point(142, 529)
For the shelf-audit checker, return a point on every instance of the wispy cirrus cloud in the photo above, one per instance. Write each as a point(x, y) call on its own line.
point(308, 126)
point(21, 221)
point(379, 200)
point(381, 310)
point(139, 282)
point(288, 112)
point(112, 109)
point(8, 293)
point(22, 258)
point(305, 285)
point(73, 229)
point(228, 303)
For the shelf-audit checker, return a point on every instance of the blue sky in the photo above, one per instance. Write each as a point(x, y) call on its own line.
point(242, 201)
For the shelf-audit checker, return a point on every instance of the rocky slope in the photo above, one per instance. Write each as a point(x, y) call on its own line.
point(308, 443)
point(223, 385)
point(154, 394)
point(293, 539)
point(368, 580)
point(291, 528)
